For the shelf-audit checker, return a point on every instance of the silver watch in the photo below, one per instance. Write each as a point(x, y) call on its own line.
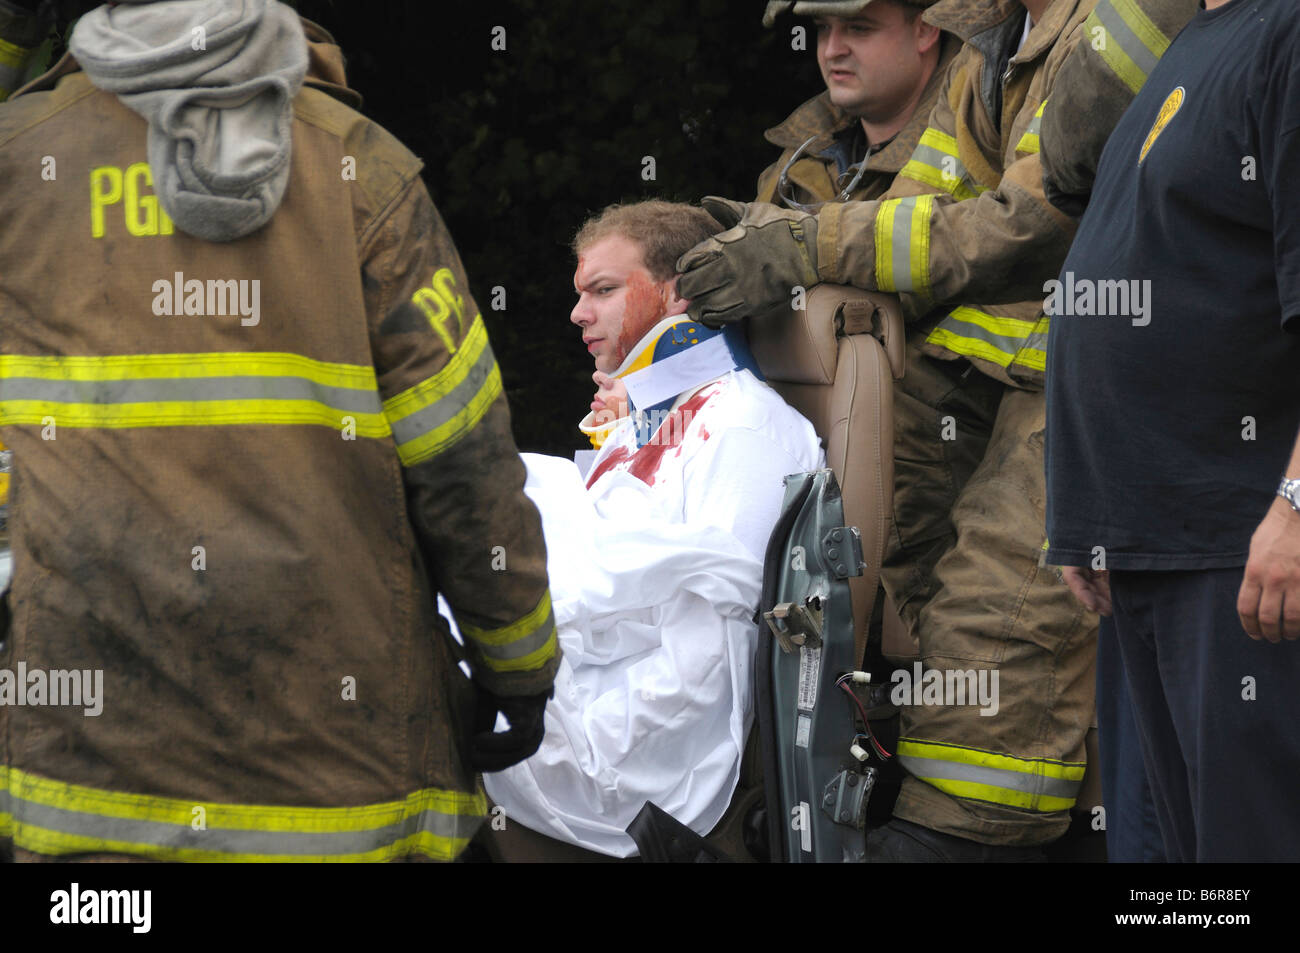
point(1289, 490)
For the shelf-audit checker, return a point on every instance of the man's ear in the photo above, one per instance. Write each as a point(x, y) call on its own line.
point(927, 36)
point(672, 303)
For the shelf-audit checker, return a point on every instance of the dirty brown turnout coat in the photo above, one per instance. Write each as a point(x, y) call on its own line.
point(1123, 41)
point(241, 515)
point(966, 219)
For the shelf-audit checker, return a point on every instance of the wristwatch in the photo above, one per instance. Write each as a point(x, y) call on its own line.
point(1289, 490)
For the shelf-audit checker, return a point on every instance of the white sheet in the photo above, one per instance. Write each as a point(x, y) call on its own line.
point(654, 587)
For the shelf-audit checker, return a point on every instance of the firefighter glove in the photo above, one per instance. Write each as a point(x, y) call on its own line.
point(753, 268)
point(495, 751)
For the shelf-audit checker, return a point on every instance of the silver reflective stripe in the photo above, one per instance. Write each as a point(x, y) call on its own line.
point(227, 841)
point(934, 158)
point(902, 240)
point(969, 329)
point(994, 777)
point(1037, 341)
point(1035, 125)
point(523, 645)
point(1128, 41)
point(428, 419)
point(149, 390)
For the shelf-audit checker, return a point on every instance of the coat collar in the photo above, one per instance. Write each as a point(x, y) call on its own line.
point(821, 118)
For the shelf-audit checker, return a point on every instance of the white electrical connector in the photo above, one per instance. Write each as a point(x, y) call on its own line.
point(862, 678)
point(858, 751)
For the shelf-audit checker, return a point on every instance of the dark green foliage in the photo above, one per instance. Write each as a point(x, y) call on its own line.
point(520, 146)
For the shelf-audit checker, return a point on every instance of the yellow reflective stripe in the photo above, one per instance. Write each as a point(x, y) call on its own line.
point(935, 162)
point(525, 663)
point(969, 347)
point(515, 630)
point(1130, 44)
point(902, 233)
point(1141, 25)
point(428, 391)
point(180, 366)
point(1034, 352)
point(1001, 325)
point(884, 230)
point(201, 389)
point(436, 441)
point(973, 333)
point(1038, 784)
point(56, 817)
point(224, 413)
point(937, 179)
point(993, 794)
point(13, 55)
point(1029, 141)
point(524, 644)
point(433, 415)
point(57, 843)
point(919, 246)
point(1032, 358)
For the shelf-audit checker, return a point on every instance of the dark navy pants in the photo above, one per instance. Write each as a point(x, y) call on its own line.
point(1132, 832)
point(1218, 716)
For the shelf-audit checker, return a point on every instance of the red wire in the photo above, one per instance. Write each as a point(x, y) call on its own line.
point(863, 712)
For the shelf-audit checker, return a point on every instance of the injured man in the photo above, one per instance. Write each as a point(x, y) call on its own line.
point(655, 554)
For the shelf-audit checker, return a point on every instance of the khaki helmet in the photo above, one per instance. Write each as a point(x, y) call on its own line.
point(823, 8)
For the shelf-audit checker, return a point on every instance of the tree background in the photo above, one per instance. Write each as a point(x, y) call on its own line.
point(521, 145)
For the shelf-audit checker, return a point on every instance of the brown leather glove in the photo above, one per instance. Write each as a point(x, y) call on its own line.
point(751, 269)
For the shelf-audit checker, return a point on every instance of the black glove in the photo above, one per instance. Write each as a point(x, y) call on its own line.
point(495, 751)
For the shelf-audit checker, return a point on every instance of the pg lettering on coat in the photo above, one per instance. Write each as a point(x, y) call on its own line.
point(439, 301)
point(142, 215)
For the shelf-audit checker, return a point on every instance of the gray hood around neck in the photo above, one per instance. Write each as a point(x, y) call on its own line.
point(216, 80)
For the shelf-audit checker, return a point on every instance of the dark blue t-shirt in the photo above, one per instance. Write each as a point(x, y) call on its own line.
point(1173, 366)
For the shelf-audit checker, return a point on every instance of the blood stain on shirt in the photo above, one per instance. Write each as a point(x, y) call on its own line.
point(644, 463)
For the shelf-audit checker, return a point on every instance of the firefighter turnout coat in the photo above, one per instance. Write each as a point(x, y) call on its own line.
point(966, 219)
point(242, 471)
point(1123, 40)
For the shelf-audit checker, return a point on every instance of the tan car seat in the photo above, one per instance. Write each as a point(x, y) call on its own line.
point(836, 363)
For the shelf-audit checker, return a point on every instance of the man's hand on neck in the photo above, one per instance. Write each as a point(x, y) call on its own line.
point(611, 396)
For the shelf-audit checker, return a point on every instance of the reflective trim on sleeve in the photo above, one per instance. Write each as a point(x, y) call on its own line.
point(521, 646)
point(902, 234)
point(13, 63)
point(1033, 353)
point(188, 390)
point(11, 54)
point(1031, 784)
point(1029, 141)
point(973, 333)
point(935, 163)
point(57, 818)
point(1130, 43)
point(430, 417)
